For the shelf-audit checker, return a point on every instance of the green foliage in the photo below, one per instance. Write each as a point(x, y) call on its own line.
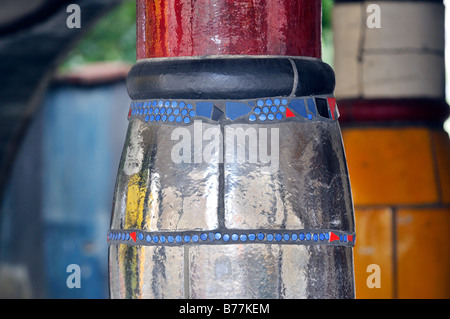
point(327, 32)
point(327, 6)
point(113, 38)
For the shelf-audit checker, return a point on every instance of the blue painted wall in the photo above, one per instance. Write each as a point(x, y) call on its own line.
point(61, 190)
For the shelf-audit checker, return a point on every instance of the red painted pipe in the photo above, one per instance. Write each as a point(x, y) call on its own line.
point(387, 110)
point(175, 28)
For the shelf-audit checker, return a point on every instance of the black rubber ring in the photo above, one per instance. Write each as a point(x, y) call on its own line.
point(229, 78)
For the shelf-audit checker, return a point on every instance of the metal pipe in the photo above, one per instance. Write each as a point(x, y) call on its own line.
point(233, 180)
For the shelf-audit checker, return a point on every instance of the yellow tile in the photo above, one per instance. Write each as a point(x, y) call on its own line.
point(423, 253)
point(442, 147)
point(390, 165)
point(373, 246)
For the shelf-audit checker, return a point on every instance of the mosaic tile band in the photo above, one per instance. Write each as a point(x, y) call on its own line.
point(267, 110)
point(222, 237)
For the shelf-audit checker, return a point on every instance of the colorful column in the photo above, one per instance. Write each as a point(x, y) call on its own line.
point(389, 61)
point(233, 181)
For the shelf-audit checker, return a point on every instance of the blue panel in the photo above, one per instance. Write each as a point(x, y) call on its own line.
point(84, 131)
point(299, 107)
point(236, 109)
point(311, 106)
point(204, 109)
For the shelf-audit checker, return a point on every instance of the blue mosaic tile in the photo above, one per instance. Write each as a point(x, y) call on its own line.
point(233, 110)
point(298, 106)
point(217, 237)
point(261, 110)
point(204, 109)
point(311, 106)
point(216, 114)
